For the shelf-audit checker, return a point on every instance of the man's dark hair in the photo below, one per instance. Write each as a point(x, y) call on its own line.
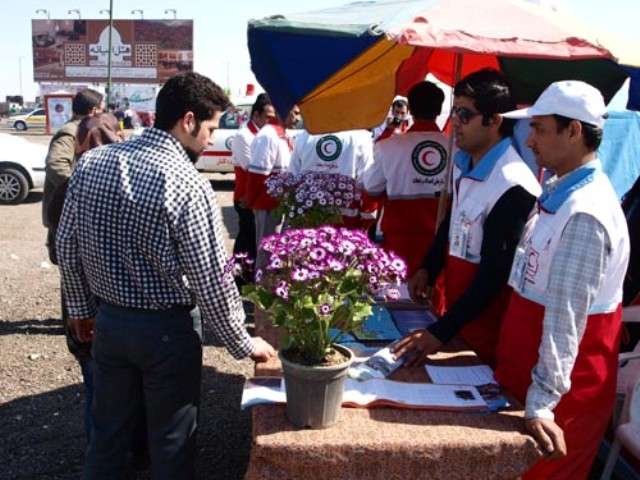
point(592, 134)
point(85, 101)
point(188, 92)
point(262, 102)
point(425, 100)
point(491, 93)
point(400, 102)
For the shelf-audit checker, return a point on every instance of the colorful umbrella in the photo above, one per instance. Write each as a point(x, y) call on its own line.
point(344, 65)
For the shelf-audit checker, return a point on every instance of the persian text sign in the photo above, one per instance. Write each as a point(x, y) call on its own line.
point(141, 51)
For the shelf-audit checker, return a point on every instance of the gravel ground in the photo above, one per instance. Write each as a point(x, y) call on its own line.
point(41, 392)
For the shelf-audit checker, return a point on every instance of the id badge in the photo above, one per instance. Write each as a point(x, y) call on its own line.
point(517, 276)
point(459, 237)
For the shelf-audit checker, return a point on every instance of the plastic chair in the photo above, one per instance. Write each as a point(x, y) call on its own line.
point(626, 415)
point(627, 434)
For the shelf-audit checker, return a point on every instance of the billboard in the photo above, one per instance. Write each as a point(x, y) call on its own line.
point(142, 51)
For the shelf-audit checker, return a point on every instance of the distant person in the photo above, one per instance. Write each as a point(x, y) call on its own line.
point(61, 160)
point(493, 195)
point(262, 112)
point(558, 349)
point(397, 122)
point(409, 170)
point(347, 153)
point(270, 155)
point(61, 156)
point(129, 117)
point(140, 243)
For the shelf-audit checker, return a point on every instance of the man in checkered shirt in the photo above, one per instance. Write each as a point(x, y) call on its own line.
point(140, 244)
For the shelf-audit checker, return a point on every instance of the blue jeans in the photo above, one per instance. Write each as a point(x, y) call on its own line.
point(151, 359)
point(86, 366)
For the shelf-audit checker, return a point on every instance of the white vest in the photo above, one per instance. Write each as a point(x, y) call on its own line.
point(269, 152)
point(473, 200)
point(409, 166)
point(539, 245)
point(347, 153)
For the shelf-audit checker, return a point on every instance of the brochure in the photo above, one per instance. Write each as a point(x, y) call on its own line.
point(377, 393)
point(481, 376)
point(378, 327)
point(409, 321)
point(379, 365)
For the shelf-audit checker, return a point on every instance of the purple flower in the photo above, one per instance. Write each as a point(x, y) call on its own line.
point(325, 309)
point(300, 274)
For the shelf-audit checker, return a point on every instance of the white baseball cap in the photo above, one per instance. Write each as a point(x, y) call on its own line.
point(569, 98)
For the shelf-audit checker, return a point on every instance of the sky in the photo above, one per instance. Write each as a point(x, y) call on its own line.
point(220, 39)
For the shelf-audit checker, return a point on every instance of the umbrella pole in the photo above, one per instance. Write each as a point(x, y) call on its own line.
point(444, 194)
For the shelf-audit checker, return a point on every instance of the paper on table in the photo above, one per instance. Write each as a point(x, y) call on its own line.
point(378, 392)
point(471, 375)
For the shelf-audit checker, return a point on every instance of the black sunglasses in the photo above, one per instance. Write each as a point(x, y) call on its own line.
point(463, 114)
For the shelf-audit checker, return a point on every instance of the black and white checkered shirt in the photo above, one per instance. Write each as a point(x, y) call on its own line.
point(141, 229)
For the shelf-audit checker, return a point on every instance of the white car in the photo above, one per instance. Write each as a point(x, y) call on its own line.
point(35, 119)
point(22, 166)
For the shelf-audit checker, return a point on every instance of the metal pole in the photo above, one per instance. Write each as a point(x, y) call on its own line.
point(109, 58)
point(20, 74)
point(444, 193)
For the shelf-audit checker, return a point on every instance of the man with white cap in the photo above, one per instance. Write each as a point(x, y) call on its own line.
point(559, 340)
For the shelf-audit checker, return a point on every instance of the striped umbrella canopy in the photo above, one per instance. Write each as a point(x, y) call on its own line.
point(343, 66)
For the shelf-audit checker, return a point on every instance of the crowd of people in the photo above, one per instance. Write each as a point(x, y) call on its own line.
point(530, 276)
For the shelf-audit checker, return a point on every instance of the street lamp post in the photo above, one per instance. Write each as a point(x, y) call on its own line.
point(138, 11)
point(75, 11)
point(20, 73)
point(109, 57)
point(172, 10)
point(44, 12)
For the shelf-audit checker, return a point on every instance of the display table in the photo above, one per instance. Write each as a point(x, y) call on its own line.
point(388, 443)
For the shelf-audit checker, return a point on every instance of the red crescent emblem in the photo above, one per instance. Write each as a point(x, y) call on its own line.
point(326, 148)
point(425, 159)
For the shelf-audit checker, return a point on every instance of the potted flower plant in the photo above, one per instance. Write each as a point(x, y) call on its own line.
point(318, 284)
point(312, 199)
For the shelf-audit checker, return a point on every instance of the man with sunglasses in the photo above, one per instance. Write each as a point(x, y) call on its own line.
point(493, 194)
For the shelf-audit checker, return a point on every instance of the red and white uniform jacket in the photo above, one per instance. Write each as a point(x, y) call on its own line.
point(270, 155)
point(241, 151)
point(583, 412)
point(347, 153)
point(411, 170)
point(475, 193)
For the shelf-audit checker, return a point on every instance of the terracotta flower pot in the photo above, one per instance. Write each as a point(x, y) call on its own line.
point(314, 393)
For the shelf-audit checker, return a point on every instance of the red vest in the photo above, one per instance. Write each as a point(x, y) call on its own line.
point(584, 411)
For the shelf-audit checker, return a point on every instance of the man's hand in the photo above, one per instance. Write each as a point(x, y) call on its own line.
point(550, 436)
point(421, 342)
point(242, 202)
point(419, 287)
point(263, 352)
point(82, 329)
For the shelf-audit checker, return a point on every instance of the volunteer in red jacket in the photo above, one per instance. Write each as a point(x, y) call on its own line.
point(270, 155)
point(493, 195)
point(348, 153)
point(559, 341)
point(411, 170)
point(261, 112)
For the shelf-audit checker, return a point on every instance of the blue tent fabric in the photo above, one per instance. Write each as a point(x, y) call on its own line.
point(620, 149)
point(279, 53)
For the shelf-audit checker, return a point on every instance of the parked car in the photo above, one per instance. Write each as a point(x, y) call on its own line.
point(35, 119)
point(217, 158)
point(21, 168)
